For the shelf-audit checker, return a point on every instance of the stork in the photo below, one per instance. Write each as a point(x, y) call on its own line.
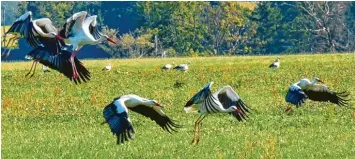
point(303, 89)
point(183, 67)
point(116, 115)
point(80, 30)
point(107, 67)
point(225, 100)
point(167, 66)
point(60, 63)
point(45, 69)
point(38, 33)
point(276, 63)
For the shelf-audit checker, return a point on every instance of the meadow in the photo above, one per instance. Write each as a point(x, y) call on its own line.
point(47, 116)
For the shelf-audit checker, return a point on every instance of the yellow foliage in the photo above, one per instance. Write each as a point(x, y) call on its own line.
point(5, 42)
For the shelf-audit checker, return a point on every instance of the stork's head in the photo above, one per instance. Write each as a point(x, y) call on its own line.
point(318, 80)
point(109, 39)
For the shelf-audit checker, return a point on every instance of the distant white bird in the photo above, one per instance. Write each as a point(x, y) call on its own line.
point(107, 68)
point(225, 100)
point(167, 66)
point(303, 89)
point(45, 69)
point(116, 115)
point(183, 67)
point(276, 63)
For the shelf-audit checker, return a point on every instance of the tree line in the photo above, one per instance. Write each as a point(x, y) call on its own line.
point(210, 28)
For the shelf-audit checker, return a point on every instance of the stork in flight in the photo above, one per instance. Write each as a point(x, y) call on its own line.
point(37, 33)
point(303, 89)
point(116, 115)
point(276, 63)
point(167, 66)
point(80, 30)
point(59, 63)
point(225, 100)
point(183, 67)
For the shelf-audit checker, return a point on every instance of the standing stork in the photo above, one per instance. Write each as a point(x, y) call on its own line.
point(45, 69)
point(167, 66)
point(116, 115)
point(303, 89)
point(183, 67)
point(37, 33)
point(276, 63)
point(107, 67)
point(80, 30)
point(225, 100)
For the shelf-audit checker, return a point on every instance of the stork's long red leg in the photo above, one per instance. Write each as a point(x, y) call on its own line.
point(288, 109)
point(75, 72)
point(34, 61)
point(34, 70)
point(196, 126)
point(199, 130)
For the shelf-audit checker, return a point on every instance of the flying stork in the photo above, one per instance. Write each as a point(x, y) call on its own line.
point(37, 33)
point(116, 115)
point(303, 89)
point(183, 67)
point(276, 63)
point(60, 63)
point(225, 100)
point(167, 66)
point(80, 30)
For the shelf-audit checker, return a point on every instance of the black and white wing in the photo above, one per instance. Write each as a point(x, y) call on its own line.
point(93, 28)
point(160, 118)
point(323, 94)
point(200, 96)
point(60, 63)
point(119, 123)
point(73, 24)
point(23, 27)
point(228, 97)
point(296, 95)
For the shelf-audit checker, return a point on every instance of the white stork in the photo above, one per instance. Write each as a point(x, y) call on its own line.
point(303, 89)
point(60, 63)
point(45, 69)
point(225, 100)
point(38, 33)
point(168, 66)
point(276, 63)
point(107, 67)
point(80, 30)
point(183, 67)
point(116, 115)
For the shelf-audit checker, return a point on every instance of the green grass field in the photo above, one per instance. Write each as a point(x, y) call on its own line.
point(48, 116)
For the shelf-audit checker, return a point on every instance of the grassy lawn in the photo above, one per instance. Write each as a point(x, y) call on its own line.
point(48, 116)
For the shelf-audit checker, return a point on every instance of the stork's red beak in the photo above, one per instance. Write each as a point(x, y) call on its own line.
point(110, 40)
point(59, 37)
point(159, 105)
point(320, 81)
